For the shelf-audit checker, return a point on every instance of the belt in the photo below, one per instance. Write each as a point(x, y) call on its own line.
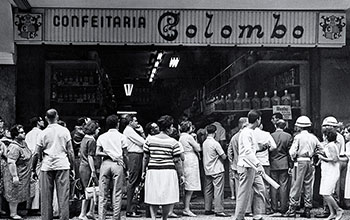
point(303, 159)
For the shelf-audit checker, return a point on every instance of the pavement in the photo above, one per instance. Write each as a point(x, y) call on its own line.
point(201, 216)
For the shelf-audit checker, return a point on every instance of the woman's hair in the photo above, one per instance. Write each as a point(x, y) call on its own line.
point(165, 122)
point(185, 126)
point(330, 134)
point(14, 130)
point(91, 127)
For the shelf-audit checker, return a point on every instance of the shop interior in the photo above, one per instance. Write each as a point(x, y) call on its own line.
point(96, 81)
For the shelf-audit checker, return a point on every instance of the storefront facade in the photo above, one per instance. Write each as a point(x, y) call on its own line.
point(321, 33)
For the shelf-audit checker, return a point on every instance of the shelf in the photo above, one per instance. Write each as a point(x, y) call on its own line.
point(269, 66)
point(94, 103)
point(58, 85)
point(243, 111)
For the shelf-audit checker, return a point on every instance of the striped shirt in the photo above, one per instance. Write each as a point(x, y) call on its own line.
point(162, 150)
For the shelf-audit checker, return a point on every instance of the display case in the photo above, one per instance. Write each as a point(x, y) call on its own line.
point(73, 88)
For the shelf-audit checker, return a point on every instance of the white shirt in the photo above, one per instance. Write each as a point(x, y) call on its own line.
point(263, 137)
point(220, 132)
point(134, 141)
point(304, 145)
point(32, 138)
point(212, 152)
point(53, 141)
point(112, 143)
point(247, 146)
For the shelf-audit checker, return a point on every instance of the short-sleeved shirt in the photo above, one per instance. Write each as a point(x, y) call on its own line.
point(87, 148)
point(212, 151)
point(263, 137)
point(247, 145)
point(32, 138)
point(304, 145)
point(53, 142)
point(112, 143)
point(162, 150)
point(134, 140)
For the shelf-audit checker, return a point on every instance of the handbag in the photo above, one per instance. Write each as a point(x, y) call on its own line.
point(92, 191)
point(76, 190)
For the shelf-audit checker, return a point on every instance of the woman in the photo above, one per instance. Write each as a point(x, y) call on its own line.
point(17, 175)
point(190, 165)
point(346, 133)
point(330, 173)
point(87, 165)
point(161, 153)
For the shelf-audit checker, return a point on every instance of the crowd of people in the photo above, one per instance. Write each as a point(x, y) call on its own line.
point(166, 158)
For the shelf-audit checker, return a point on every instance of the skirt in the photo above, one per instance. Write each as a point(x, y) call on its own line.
point(191, 172)
point(161, 187)
point(329, 177)
point(347, 183)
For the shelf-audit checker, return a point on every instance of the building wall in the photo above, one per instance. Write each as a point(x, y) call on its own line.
point(335, 81)
point(30, 83)
point(8, 94)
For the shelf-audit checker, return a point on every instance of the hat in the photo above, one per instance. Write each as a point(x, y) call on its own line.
point(303, 122)
point(330, 121)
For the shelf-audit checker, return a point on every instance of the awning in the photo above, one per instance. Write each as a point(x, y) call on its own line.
point(198, 4)
point(6, 34)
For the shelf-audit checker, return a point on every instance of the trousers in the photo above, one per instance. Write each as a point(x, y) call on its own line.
point(250, 182)
point(47, 181)
point(214, 189)
point(302, 179)
point(281, 194)
point(111, 173)
point(135, 172)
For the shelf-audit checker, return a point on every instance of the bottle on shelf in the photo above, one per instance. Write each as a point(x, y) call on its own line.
point(222, 103)
point(255, 101)
point(286, 98)
point(216, 103)
point(229, 102)
point(246, 104)
point(265, 101)
point(275, 100)
point(53, 92)
point(292, 97)
point(237, 102)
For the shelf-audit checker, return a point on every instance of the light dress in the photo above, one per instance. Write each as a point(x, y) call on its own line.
point(191, 163)
point(330, 171)
point(347, 178)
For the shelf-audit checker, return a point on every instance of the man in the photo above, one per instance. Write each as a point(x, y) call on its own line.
point(112, 146)
point(213, 162)
point(276, 117)
point(249, 170)
point(54, 149)
point(301, 152)
point(279, 165)
point(135, 144)
point(31, 139)
point(220, 135)
point(232, 152)
point(332, 123)
point(265, 138)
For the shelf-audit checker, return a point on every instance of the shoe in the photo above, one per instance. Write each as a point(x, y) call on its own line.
point(261, 218)
point(209, 213)
point(90, 216)
point(189, 213)
point(322, 215)
point(16, 217)
point(339, 214)
point(173, 215)
point(290, 213)
point(248, 214)
point(133, 215)
point(222, 214)
point(269, 212)
point(306, 213)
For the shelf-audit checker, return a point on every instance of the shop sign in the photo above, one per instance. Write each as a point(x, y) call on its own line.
point(285, 110)
point(331, 28)
point(195, 27)
point(28, 27)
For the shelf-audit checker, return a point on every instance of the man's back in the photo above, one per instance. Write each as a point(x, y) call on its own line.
point(112, 143)
point(53, 141)
point(279, 158)
point(211, 156)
